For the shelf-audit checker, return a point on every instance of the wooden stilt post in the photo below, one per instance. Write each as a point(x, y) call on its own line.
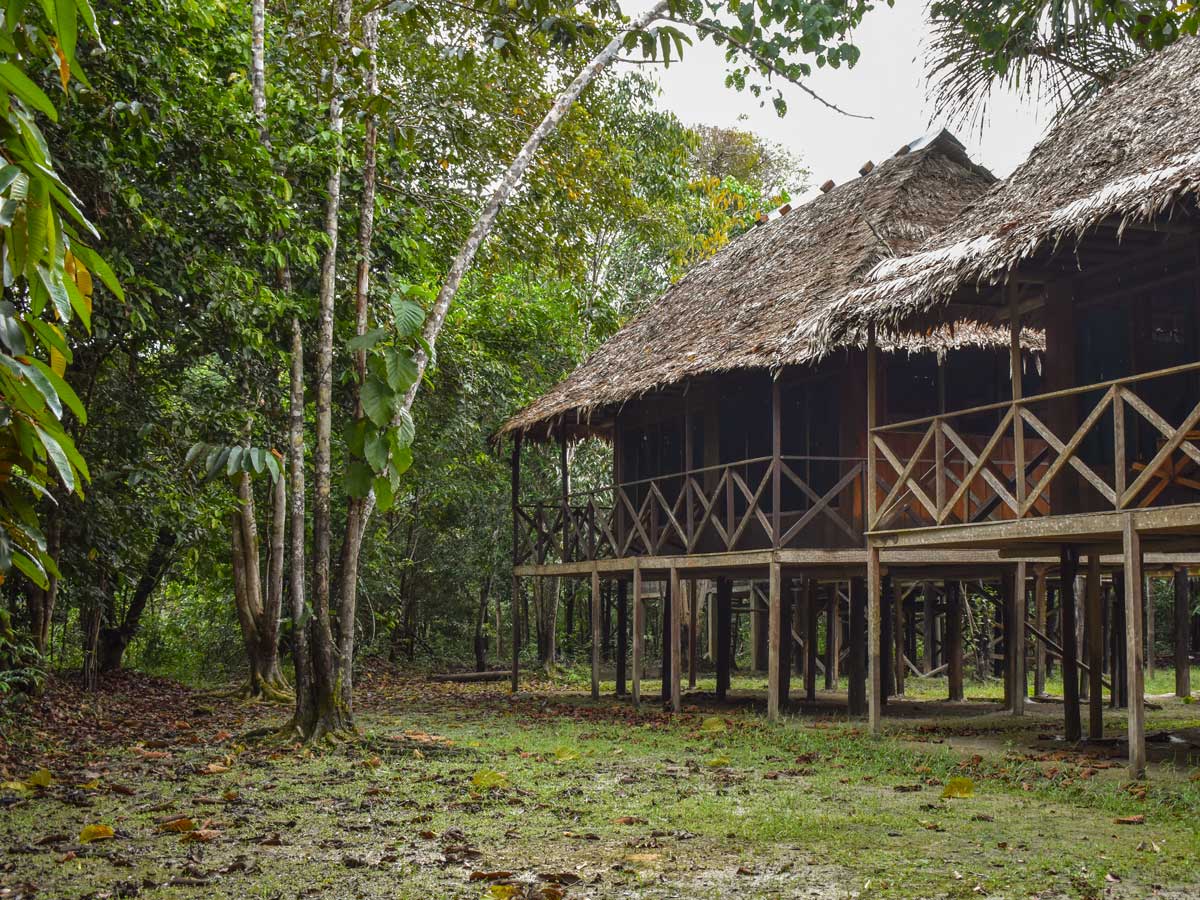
point(1039, 605)
point(1148, 599)
point(887, 643)
point(774, 639)
point(1183, 624)
point(929, 626)
point(1017, 640)
point(758, 630)
point(676, 605)
point(857, 657)
point(724, 617)
point(785, 644)
point(1132, 547)
point(670, 635)
point(833, 635)
point(899, 633)
point(622, 634)
point(1095, 649)
point(1068, 568)
point(954, 642)
point(595, 633)
point(693, 599)
point(812, 610)
point(639, 632)
point(1119, 677)
point(874, 650)
point(799, 617)
point(515, 595)
point(1081, 648)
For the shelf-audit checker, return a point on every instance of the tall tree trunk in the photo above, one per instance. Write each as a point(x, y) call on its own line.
point(485, 592)
point(305, 715)
point(355, 519)
point(324, 712)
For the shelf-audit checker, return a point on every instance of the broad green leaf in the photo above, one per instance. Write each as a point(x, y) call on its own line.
point(366, 341)
point(375, 449)
point(407, 316)
point(384, 497)
point(377, 400)
point(31, 569)
point(17, 82)
point(58, 456)
point(64, 390)
point(401, 369)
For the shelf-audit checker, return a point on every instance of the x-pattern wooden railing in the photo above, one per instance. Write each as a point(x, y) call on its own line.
point(718, 508)
point(1131, 483)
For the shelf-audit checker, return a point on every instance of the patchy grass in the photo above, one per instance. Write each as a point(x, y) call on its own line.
point(465, 792)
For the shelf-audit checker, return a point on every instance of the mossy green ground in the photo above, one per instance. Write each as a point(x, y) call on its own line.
point(454, 781)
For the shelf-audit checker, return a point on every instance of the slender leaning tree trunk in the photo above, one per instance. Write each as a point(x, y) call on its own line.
point(355, 518)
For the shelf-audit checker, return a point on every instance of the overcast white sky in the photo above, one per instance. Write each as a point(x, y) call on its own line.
point(887, 84)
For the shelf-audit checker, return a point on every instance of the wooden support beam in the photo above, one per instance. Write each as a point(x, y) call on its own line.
point(1015, 642)
point(929, 626)
point(758, 631)
point(639, 632)
point(833, 637)
point(898, 634)
point(693, 603)
point(1068, 568)
point(954, 642)
point(786, 629)
point(1039, 613)
point(675, 605)
point(1183, 624)
point(774, 639)
point(811, 611)
point(724, 616)
point(1131, 545)
point(1148, 596)
point(1093, 611)
point(595, 634)
point(887, 643)
point(515, 594)
point(622, 634)
point(874, 664)
point(856, 657)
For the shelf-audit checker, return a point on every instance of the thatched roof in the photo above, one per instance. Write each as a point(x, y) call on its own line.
point(740, 308)
point(1129, 157)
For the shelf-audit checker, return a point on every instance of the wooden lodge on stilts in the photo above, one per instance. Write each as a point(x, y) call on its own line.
point(739, 451)
point(1096, 240)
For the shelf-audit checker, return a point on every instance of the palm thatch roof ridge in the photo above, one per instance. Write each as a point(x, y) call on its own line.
point(1130, 155)
point(740, 308)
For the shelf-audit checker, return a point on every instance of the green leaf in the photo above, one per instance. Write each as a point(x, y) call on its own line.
point(64, 390)
point(193, 454)
point(31, 569)
point(258, 460)
point(58, 456)
point(17, 82)
point(384, 497)
point(376, 450)
point(401, 461)
point(407, 316)
point(96, 264)
point(401, 369)
point(405, 430)
point(377, 400)
point(67, 26)
point(233, 463)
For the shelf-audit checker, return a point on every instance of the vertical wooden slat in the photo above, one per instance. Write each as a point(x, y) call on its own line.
point(776, 463)
point(857, 657)
point(515, 595)
point(566, 494)
point(1068, 569)
point(639, 631)
point(676, 603)
point(1132, 548)
point(1119, 459)
point(595, 633)
point(774, 610)
point(1148, 598)
point(872, 375)
point(1183, 614)
point(954, 655)
point(1092, 626)
point(1014, 361)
